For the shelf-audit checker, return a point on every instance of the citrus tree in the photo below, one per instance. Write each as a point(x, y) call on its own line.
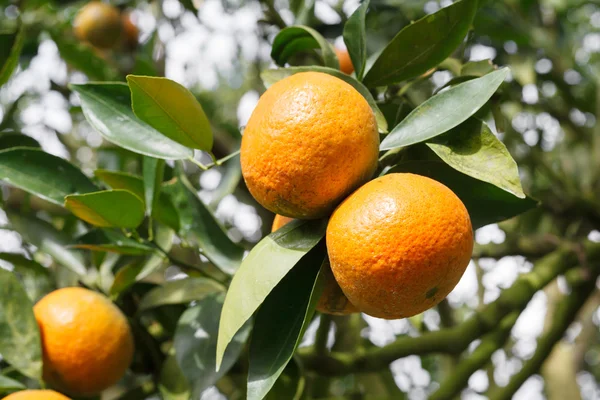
point(382, 160)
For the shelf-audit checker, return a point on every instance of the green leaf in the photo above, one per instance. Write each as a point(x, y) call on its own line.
point(444, 111)
point(42, 174)
point(108, 208)
point(294, 39)
point(200, 226)
point(11, 45)
point(290, 384)
point(271, 76)
point(280, 323)
point(179, 292)
point(10, 140)
point(153, 171)
point(34, 277)
point(172, 110)
point(261, 271)
point(422, 45)
point(83, 57)
point(485, 202)
point(48, 240)
point(8, 384)
point(107, 107)
point(355, 38)
point(172, 383)
point(473, 149)
point(113, 242)
point(20, 343)
point(164, 211)
point(195, 342)
point(477, 68)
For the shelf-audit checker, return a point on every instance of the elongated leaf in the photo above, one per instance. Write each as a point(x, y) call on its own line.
point(485, 202)
point(153, 172)
point(42, 174)
point(422, 45)
point(477, 68)
point(271, 76)
point(294, 39)
point(9, 140)
point(11, 45)
point(355, 38)
point(179, 292)
point(34, 277)
point(444, 111)
point(48, 240)
point(107, 209)
point(107, 107)
point(290, 384)
point(112, 241)
point(164, 211)
point(281, 322)
point(266, 265)
point(9, 384)
point(195, 343)
point(173, 385)
point(20, 343)
point(170, 109)
point(199, 225)
point(472, 149)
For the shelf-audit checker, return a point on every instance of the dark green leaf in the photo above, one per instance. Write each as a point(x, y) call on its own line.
point(261, 271)
point(48, 240)
point(9, 140)
point(109, 208)
point(290, 384)
point(422, 45)
point(172, 384)
point(153, 171)
point(8, 384)
point(196, 340)
point(20, 343)
point(355, 38)
point(172, 110)
point(477, 68)
point(444, 111)
point(294, 39)
point(164, 211)
point(473, 149)
point(107, 107)
point(43, 174)
point(199, 225)
point(179, 292)
point(271, 76)
point(485, 202)
point(34, 277)
point(281, 321)
point(11, 45)
point(112, 241)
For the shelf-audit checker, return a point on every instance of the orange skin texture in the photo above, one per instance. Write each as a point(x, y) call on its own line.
point(86, 341)
point(345, 61)
point(99, 24)
point(332, 301)
point(399, 245)
point(311, 140)
point(36, 395)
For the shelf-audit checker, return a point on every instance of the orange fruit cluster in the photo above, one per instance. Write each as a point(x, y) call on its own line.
point(104, 26)
point(398, 244)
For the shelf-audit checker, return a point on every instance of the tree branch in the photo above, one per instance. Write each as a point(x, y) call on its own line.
point(527, 246)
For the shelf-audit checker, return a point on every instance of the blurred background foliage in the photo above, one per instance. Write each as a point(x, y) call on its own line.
point(546, 114)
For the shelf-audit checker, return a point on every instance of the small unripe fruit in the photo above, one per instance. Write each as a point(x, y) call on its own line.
point(98, 24)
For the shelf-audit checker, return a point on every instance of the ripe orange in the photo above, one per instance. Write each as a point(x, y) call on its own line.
point(99, 24)
point(332, 301)
point(345, 61)
point(36, 395)
point(86, 341)
point(399, 245)
point(311, 140)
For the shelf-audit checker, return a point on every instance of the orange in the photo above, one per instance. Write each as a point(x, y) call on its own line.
point(332, 301)
point(399, 245)
point(311, 140)
point(86, 341)
point(130, 31)
point(345, 61)
point(99, 24)
point(36, 395)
